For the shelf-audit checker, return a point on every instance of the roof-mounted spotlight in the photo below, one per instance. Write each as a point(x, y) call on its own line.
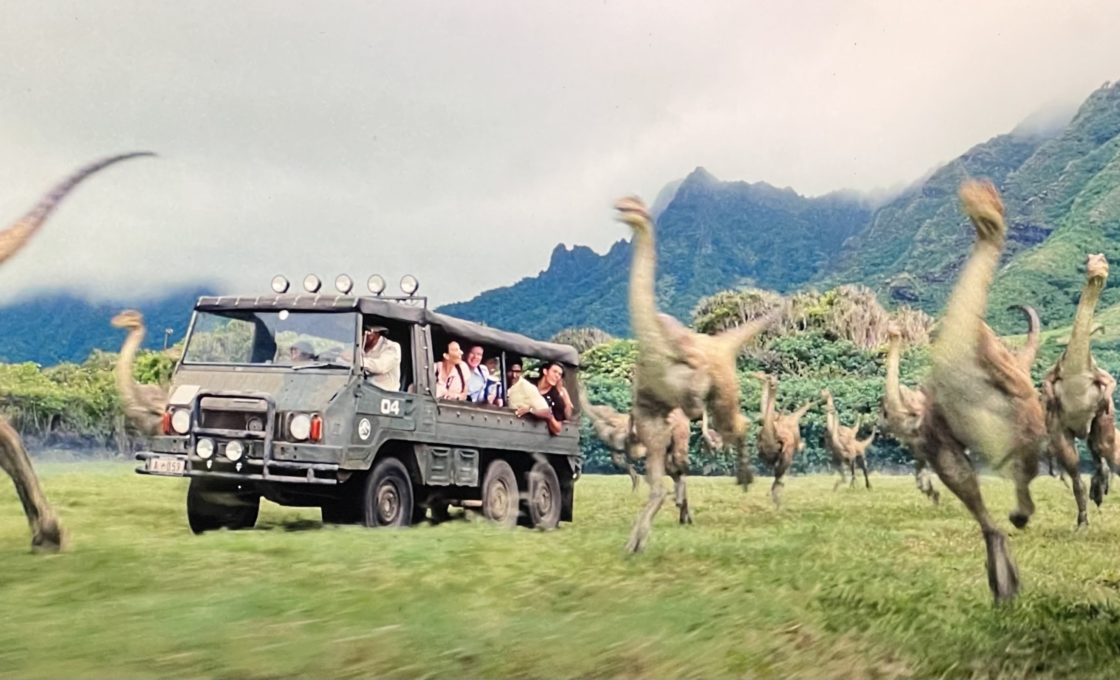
point(376, 284)
point(311, 283)
point(409, 285)
point(280, 284)
point(343, 284)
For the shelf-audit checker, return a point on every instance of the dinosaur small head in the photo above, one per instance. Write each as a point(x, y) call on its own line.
point(1096, 267)
point(894, 331)
point(129, 318)
point(982, 204)
point(633, 212)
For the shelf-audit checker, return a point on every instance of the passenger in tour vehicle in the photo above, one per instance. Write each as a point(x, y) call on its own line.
point(451, 374)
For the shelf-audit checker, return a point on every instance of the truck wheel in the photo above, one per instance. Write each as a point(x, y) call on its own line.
point(213, 506)
point(387, 501)
point(500, 496)
point(340, 511)
point(544, 496)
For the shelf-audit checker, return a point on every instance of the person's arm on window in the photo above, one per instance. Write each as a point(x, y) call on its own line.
point(389, 359)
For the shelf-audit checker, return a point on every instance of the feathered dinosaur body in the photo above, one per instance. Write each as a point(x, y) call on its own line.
point(1078, 398)
point(676, 369)
point(143, 404)
point(46, 531)
point(779, 435)
point(979, 397)
point(844, 444)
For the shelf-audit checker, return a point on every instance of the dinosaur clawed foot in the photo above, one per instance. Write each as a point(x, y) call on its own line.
point(1003, 575)
point(1019, 519)
point(47, 537)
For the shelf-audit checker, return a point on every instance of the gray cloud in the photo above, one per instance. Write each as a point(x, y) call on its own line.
point(460, 141)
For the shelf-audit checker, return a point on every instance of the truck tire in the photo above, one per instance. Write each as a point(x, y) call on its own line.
point(212, 505)
point(501, 499)
point(387, 499)
point(544, 499)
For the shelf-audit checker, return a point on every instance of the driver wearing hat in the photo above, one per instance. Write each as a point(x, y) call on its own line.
point(381, 357)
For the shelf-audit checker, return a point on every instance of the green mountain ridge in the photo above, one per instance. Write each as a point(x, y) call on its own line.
point(1061, 187)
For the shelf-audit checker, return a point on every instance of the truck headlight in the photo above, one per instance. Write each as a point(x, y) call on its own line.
point(204, 448)
point(181, 420)
point(234, 450)
point(299, 427)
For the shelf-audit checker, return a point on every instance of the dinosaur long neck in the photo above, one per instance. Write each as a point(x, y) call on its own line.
point(1027, 355)
point(966, 309)
point(17, 235)
point(123, 370)
point(1077, 356)
point(732, 340)
point(892, 392)
point(831, 422)
point(643, 302)
point(767, 407)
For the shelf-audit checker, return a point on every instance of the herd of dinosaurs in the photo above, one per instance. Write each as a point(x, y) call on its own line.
point(978, 399)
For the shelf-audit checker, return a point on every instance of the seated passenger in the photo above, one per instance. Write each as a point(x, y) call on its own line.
point(551, 387)
point(451, 374)
point(301, 351)
point(547, 399)
point(381, 358)
point(495, 394)
point(477, 375)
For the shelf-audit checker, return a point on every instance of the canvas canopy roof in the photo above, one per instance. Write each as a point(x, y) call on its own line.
point(397, 311)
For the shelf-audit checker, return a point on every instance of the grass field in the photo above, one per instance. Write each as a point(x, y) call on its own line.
point(851, 584)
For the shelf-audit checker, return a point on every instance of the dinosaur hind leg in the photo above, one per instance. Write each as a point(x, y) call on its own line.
point(1064, 451)
point(956, 473)
point(655, 436)
point(839, 465)
point(924, 481)
point(852, 473)
point(46, 532)
point(1025, 470)
point(680, 494)
point(863, 466)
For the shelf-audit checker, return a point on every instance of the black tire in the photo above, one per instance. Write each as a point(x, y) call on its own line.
point(387, 500)
point(213, 506)
point(340, 511)
point(544, 498)
point(501, 499)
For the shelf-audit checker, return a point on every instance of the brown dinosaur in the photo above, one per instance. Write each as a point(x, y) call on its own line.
point(779, 436)
point(676, 368)
point(616, 431)
point(1078, 398)
point(979, 397)
point(46, 531)
point(901, 414)
point(844, 445)
point(144, 405)
point(902, 408)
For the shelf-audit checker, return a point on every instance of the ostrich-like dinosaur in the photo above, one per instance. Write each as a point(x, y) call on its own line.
point(979, 397)
point(779, 436)
point(844, 445)
point(143, 404)
point(616, 431)
point(46, 531)
point(676, 368)
point(902, 408)
point(1078, 398)
point(901, 414)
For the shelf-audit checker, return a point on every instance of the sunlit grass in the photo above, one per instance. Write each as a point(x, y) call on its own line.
point(848, 584)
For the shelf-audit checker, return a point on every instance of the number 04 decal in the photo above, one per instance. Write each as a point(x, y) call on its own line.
point(390, 407)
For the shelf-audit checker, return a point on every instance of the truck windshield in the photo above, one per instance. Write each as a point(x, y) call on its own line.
point(282, 337)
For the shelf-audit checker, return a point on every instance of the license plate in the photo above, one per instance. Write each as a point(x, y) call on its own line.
point(166, 465)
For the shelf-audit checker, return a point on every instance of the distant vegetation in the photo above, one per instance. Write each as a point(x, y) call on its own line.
point(1061, 187)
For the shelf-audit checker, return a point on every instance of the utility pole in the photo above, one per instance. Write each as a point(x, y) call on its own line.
point(166, 336)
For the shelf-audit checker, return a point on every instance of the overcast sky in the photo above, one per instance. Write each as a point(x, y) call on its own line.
point(460, 141)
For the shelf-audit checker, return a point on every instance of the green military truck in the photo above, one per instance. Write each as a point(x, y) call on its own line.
point(245, 420)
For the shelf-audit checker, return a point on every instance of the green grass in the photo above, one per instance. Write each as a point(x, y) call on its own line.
point(851, 584)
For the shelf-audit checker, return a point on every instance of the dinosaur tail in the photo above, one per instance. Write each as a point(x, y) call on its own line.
point(1027, 354)
point(732, 340)
point(15, 236)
